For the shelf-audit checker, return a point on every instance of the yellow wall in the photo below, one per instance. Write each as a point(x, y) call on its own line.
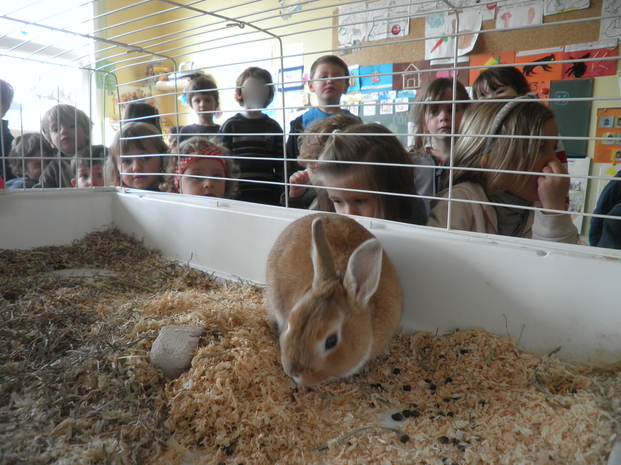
point(206, 41)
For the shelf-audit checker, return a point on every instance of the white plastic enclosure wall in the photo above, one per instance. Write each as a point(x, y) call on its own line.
point(553, 294)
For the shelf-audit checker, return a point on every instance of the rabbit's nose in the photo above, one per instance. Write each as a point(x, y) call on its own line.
point(295, 370)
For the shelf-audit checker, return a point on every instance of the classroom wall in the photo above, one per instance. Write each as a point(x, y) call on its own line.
point(217, 49)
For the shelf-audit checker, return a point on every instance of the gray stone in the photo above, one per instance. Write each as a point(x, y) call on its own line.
point(174, 348)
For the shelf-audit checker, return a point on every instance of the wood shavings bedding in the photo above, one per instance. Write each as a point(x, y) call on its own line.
point(76, 385)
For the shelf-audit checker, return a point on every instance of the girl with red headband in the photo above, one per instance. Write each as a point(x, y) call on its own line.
point(203, 169)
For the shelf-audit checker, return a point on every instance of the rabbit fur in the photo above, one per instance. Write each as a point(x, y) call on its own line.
point(334, 296)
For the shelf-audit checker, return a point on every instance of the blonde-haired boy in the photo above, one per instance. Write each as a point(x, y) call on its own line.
point(68, 130)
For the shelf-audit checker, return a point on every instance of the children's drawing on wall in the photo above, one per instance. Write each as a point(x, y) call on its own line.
point(388, 19)
point(487, 61)
point(527, 14)
point(539, 67)
point(410, 75)
point(441, 28)
point(385, 19)
point(579, 170)
point(376, 78)
point(446, 68)
point(290, 7)
point(487, 11)
point(590, 50)
point(610, 27)
point(352, 23)
point(554, 7)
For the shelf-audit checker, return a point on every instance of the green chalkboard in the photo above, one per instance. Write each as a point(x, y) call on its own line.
point(572, 116)
point(396, 121)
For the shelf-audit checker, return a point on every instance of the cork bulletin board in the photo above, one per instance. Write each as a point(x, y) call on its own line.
point(412, 47)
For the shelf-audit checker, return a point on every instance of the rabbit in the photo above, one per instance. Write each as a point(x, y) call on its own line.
point(334, 296)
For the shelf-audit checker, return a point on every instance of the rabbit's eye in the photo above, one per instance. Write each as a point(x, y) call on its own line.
point(331, 341)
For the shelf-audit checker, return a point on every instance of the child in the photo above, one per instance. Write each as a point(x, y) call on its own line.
point(500, 82)
point(432, 116)
point(28, 158)
point(6, 99)
point(248, 134)
point(143, 113)
point(203, 171)
point(68, 130)
point(507, 82)
point(87, 166)
point(329, 81)
point(173, 137)
point(519, 117)
point(312, 143)
point(370, 143)
point(204, 98)
point(137, 157)
point(606, 232)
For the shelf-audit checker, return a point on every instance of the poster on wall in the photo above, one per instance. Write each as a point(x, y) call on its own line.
point(352, 23)
point(410, 75)
point(440, 29)
point(578, 182)
point(376, 78)
point(539, 67)
point(590, 50)
point(608, 149)
point(446, 68)
point(554, 7)
point(510, 15)
point(489, 60)
point(388, 19)
point(292, 78)
point(610, 26)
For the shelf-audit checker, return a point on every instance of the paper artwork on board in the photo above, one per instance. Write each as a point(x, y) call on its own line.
point(487, 10)
point(410, 75)
point(487, 61)
point(388, 19)
point(369, 108)
point(608, 148)
point(554, 7)
point(578, 168)
point(511, 16)
point(441, 28)
point(376, 78)
point(447, 68)
point(352, 23)
point(588, 51)
point(540, 64)
point(354, 80)
point(539, 67)
point(610, 28)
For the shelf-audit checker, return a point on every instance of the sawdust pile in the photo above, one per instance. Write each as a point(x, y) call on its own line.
point(76, 384)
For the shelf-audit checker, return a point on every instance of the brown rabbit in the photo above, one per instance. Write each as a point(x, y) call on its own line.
point(335, 297)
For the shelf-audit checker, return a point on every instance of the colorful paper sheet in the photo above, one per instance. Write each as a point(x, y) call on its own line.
point(590, 50)
point(376, 78)
point(441, 27)
point(511, 16)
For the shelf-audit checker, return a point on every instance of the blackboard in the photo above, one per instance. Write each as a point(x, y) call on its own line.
point(572, 116)
point(397, 122)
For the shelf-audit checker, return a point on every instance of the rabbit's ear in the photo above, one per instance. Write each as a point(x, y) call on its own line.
point(323, 262)
point(363, 271)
